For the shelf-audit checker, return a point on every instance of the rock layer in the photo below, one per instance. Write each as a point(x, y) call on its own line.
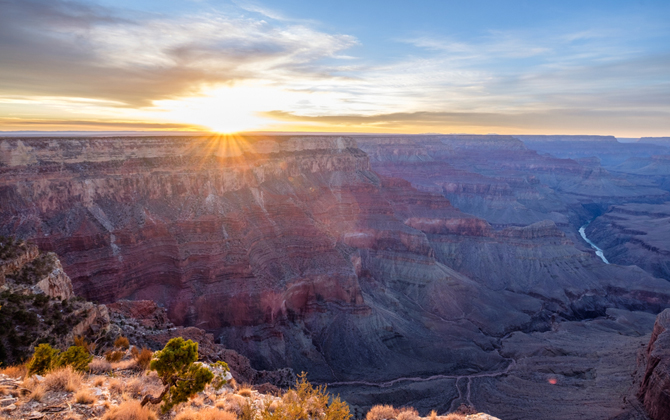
point(352, 259)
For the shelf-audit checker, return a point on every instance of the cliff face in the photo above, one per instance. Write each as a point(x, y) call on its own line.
point(655, 387)
point(635, 234)
point(342, 257)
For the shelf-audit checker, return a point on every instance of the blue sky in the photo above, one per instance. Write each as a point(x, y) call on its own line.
point(592, 67)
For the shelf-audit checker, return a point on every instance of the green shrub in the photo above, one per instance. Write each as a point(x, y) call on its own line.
point(76, 356)
point(180, 375)
point(44, 359)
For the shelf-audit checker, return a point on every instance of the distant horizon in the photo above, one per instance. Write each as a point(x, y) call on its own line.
point(106, 133)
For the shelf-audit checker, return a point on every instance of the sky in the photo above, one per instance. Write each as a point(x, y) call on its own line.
point(476, 66)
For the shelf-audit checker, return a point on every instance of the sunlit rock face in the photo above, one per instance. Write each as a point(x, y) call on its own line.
point(366, 259)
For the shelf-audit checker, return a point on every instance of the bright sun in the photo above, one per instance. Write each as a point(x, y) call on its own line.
point(223, 110)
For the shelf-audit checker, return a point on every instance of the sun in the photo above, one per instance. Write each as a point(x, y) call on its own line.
point(224, 110)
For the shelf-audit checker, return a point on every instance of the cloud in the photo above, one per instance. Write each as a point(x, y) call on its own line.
point(568, 121)
point(52, 124)
point(69, 48)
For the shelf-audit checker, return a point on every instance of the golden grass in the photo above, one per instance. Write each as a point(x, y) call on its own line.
point(245, 391)
point(114, 356)
point(116, 386)
point(98, 365)
point(234, 403)
point(381, 412)
point(17, 371)
point(129, 410)
point(84, 396)
point(453, 416)
point(135, 386)
point(125, 365)
point(37, 393)
point(142, 357)
point(407, 413)
point(98, 381)
point(63, 379)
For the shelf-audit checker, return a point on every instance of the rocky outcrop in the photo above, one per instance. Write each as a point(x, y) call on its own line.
point(655, 388)
point(56, 284)
point(147, 325)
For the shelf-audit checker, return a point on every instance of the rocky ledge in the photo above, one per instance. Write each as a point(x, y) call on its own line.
point(655, 388)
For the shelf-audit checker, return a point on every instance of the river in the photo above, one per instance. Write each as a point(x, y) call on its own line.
point(599, 252)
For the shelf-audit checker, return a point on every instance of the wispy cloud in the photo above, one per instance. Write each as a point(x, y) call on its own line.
point(66, 48)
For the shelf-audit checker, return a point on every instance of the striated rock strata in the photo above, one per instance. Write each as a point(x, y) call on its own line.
point(361, 261)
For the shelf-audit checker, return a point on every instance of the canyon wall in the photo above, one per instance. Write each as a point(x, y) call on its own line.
point(355, 259)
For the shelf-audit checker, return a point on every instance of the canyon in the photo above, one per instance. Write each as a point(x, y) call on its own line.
point(426, 270)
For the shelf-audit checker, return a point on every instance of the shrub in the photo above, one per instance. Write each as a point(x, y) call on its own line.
point(76, 356)
point(305, 401)
point(129, 410)
point(43, 360)
point(245, 390)
point(180, 375)
point(114, 356)
point(99, 366)
point(381, 412)
point(122, 343)
point(63, 379)
point(81, 342)
point(84, 396)
point(408, 413)
point(142, 357)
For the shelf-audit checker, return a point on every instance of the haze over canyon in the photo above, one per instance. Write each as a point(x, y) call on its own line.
point(430, 270)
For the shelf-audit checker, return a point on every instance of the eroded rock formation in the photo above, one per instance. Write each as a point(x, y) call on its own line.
point(371, 259)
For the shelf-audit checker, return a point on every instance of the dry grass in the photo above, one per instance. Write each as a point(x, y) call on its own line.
point(114, 356)
point(99, 381)
point(18, 371)
point(72, 416)
point(129, 410)
point(245, 391)
point(116, 386)
point(233, 403)
point(142, 357)
point(125, 365)
point(99, 366)
point(407, 413)
point(122, 342)
point(37, 393)
point(433, 415)
point(63, 379)
point(214, 414)
point(381, 412)
point(454, 416)
point(84, 396)
point(135, 386)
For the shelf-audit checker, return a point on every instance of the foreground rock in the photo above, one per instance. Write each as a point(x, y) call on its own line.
point(654, 391)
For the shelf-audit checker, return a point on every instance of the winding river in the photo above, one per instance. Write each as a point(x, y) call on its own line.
point(599, 252)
